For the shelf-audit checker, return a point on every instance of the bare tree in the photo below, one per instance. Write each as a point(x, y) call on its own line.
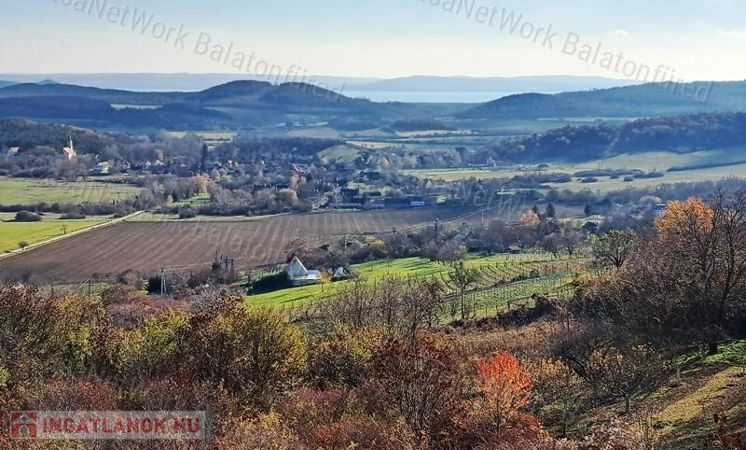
point(461, 279)
point(613, 249)
point(626, 374)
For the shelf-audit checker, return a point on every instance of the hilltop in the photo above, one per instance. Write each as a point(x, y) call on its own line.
point(652, 99)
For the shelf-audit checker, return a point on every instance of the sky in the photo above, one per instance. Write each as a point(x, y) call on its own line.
point(682, 39)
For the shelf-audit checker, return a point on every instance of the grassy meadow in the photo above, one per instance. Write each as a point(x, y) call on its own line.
point(12, 233)
point(22, 191)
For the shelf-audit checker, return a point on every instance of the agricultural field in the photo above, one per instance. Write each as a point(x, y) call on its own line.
point(494, 269)
point(21, 191)
point(12, 233)
point(661, 162)
point(147, 245)
point(210, 137)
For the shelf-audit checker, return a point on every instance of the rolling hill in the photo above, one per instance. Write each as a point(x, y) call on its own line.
point(234, 104)
point(145, 82)
point(652, 99)
point(248, 103)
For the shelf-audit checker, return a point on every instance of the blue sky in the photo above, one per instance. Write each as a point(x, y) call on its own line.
point(698, 39)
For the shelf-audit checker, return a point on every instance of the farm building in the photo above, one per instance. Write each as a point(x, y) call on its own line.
point(300, 276)
point(341, 274)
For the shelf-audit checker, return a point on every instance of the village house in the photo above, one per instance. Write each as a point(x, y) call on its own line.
point(101, 169)
point(300, 276)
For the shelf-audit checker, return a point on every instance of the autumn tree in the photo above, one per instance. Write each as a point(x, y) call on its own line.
point(42, 333)
point(340, 357)
point(250, 351)
point(496, 415)
point(505, 388)
point(530, 219)
point(556, 384)
point(200, 184)
point(686, 283)
point(705, 244)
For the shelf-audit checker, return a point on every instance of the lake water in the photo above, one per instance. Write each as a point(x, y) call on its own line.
point(428, 97)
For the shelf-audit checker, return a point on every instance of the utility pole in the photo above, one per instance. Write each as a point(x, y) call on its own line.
point(163, 281)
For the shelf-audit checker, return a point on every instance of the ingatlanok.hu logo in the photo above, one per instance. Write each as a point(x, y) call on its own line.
point(108, 425)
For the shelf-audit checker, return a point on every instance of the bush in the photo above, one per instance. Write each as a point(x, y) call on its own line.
point(27, 216)
point(152, 349)
point(187, 213)
point(250, 351)
point(271, 283)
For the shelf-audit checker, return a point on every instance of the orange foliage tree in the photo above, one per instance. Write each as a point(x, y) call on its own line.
point(496, 418)
point(692, 217)
point(505, 387)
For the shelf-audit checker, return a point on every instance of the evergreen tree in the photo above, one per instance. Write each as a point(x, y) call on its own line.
point(550, 212)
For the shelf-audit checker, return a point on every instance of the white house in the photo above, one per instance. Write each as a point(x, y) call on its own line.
point(300, 276)
point(102, 168)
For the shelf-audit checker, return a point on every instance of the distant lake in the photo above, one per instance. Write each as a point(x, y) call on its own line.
point(428, 97)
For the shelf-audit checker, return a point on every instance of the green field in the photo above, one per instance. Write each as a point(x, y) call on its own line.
point(22, 191)
point(12, 233)
point(652, 161)
point(501, 265)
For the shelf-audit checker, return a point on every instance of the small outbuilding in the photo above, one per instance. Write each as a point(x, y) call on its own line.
point(341, 274)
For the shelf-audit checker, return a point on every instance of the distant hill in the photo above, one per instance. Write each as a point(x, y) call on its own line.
point(249, 103)
point(160, 82)
point(27, 134)
point(56, 108)
point(233, 104)
point(652, 99)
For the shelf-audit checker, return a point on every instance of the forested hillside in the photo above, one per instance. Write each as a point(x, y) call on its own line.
point(653, 99)
point(678, 134)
